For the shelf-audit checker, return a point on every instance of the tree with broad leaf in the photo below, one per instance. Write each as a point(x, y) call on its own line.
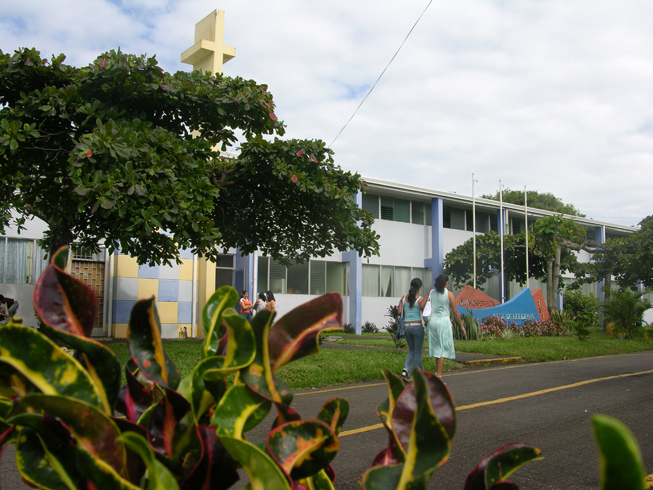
point(552, 243)
point(539, 200)
point(124, 153)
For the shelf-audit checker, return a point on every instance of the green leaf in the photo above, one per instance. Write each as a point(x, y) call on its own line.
point(395, 388)
point(259, 375)
point(158, 476)
point(295, 335)
point(428, 443)
point(302, 448)
point(619, 454)
point(208, 375)
point(383, 478)
point(46, 366)
point(99, 361)
point(239, 410)
point(43, 466)
point(224, 297)
point(318, 481)
point(499, 465)
point(62, 301)
point(262, 471)
point(146, 348)
point(94, 431)
point(334, 413)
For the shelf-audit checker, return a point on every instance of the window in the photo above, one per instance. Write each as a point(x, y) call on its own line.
point(297, 279)
point(315, 277)
point(395, 209)
point(318, 277)
point(392, 281)
point(224, 271)
point(370, 280)
point(371, 204)
point(337, 278)
point(278, 282)
point(387, 208)
point(418, 214)
point(21, 261)
point(469, 219)
point(446, 217)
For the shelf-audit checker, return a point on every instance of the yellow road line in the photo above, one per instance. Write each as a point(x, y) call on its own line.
point(474, 372)
point(510, 399)
point(354, 387)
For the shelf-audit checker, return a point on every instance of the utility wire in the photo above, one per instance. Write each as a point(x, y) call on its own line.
point(377, 80)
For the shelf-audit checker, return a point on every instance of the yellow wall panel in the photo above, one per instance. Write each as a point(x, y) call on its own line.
point(126, 266)
point(120, 330)
point(186, 270)
point(148, 288)
point(167, 311)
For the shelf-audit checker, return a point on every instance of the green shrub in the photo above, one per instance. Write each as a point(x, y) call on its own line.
point(369, 327)
point(61, 412)
point(348, 328)
point(581, 330)
point(393, 326)
point(581, 307)
point(561, 318)
point(624, 311)
point(471, 327)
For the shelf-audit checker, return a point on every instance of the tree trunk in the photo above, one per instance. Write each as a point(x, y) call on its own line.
point(550, 297)
point(58, 235)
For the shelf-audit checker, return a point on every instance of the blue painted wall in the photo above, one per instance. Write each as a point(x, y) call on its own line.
point(518, 310)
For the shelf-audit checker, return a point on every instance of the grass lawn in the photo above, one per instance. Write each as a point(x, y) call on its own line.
point(332, 367)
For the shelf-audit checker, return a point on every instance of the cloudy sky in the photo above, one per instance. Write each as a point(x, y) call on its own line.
point(553, 95)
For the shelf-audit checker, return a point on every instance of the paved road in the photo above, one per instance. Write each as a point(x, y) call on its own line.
point(547, 405)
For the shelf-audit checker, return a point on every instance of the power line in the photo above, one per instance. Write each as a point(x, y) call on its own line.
point(377, 80)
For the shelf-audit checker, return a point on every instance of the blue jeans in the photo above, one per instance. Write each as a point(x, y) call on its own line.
point(415, 340)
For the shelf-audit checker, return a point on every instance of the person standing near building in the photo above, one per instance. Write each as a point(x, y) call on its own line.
point(8, 307)
point(245, 304)
point(411, 306)
point(260, 303)
point(270, 304)
point(439, 328)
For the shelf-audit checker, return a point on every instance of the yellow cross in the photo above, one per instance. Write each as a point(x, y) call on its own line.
point(209, 52)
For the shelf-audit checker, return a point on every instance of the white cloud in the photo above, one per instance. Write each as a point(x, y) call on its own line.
point(550, 95)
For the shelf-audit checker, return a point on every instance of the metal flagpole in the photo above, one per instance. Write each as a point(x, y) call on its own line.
point(474, 226)
point(501, 231)
point(526, 220)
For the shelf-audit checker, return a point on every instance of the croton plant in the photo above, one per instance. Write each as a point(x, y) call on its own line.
point(74, 427)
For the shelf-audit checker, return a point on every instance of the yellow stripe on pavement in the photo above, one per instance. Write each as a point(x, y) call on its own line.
point(509, 399)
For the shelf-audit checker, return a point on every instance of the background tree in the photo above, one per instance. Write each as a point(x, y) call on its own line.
point(636, 257)
point(539, 200)
point(554, 239)
point(458, 263)
point(125, 153)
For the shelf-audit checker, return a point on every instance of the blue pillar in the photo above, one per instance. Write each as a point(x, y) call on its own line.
point(437, 237)
point(355, 280)
point(599, 236)
point(355, 289)
point(501, 226)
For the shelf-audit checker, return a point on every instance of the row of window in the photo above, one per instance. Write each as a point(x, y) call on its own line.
point(317, 277)
point(395, 209)
point(417, 212)
point(393, 281)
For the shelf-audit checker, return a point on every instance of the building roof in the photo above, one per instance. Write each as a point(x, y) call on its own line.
point(406, 191)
